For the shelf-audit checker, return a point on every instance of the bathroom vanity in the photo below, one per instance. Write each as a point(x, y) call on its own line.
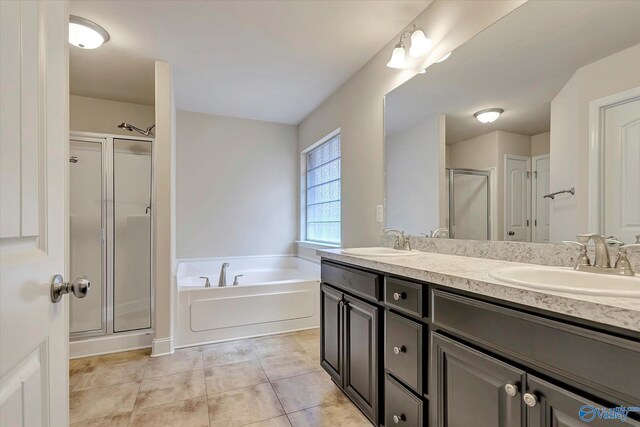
point(432, 340)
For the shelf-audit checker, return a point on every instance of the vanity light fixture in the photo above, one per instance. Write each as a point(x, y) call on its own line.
point(420, 46)
point(444, 58)
point(86, 34)
point(489, 115)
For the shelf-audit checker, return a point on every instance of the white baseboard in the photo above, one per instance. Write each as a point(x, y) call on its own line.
point(109, 344)
point(162, 347)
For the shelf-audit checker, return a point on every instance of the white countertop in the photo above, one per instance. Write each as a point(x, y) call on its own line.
point(472, 275)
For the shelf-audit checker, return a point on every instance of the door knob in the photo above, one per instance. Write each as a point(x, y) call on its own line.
point(511, 390)
point(512, 233)
point(399, 295)
point(530, 400)
point(398, 418)
point(79, 287)
point(398, 350)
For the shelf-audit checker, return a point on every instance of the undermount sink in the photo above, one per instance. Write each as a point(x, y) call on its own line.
point(379, 251)
point(564, 279)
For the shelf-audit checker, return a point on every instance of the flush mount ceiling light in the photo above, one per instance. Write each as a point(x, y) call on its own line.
point(444, 58)
point(86, 34)
point(420, 46)
point(489, 115)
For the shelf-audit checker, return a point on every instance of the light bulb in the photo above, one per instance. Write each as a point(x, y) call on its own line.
point(420, 44)
point(444, 58)
point(489, 115)
point(397, 57)
point(86, 34)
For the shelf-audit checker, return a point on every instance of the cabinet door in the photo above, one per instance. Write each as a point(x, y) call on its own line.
point(361, 352)
point(331, 332)
point(557, 407)
point(472, 389)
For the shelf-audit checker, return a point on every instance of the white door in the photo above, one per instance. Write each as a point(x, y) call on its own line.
point(622, 171)
point(540, 207)
point(33, 212)
point(516, 198)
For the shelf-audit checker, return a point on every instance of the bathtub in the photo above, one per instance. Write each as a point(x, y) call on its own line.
point(274, 295)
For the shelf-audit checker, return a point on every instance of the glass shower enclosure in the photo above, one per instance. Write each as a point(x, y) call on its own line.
point(469, 210)
point(110, 233)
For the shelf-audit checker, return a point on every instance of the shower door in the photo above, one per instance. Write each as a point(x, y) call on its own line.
point(132, 234)
point(110, 231)
point(469, 204)
point(87, 222)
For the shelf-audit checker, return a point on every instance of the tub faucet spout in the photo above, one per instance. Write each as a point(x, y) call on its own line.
point(223, 275)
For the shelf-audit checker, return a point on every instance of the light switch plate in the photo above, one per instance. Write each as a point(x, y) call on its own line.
point(379, 213)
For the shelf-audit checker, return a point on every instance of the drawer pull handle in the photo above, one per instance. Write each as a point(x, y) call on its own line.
point(530, 400)
point(399, 295)
point(511, 390)
point(398, 418)
point(398, 350)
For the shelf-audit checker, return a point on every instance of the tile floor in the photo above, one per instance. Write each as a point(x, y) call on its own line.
point(271, 381)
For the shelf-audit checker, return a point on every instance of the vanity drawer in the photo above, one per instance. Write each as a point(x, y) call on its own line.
point(401, 407)
point(403, 351)
point(362, 283)
point(575, 353)
point(405, 296)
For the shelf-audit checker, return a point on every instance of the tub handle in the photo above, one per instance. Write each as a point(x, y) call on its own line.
point(207, 283)
point(235, 279)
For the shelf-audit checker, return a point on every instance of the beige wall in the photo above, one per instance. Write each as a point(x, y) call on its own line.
point(570, 135)
point(357, 108)
point(487, 152)
point(237, 186)
point(541, 144)
point(104, 116)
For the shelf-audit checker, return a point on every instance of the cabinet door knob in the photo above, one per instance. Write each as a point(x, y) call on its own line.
point(398, 350)
point(398, 418)
point(511, 390)
point(399, 295)
point(530, 400)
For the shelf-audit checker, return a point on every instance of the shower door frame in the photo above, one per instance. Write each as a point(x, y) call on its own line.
point(486, 173)
point(108, 233)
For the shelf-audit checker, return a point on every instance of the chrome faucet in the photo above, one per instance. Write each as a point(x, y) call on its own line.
point(440, 232)
point(223, 275)
point(401, 242)
point(602, 262)
point(207, 283)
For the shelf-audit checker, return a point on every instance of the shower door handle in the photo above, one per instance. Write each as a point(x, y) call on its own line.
point(79, 287)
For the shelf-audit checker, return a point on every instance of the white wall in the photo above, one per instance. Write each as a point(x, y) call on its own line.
point(413, 178)
point(357, 108)
point(104, 116)
point(540, 144)
point(237, 187)
point(570, 135)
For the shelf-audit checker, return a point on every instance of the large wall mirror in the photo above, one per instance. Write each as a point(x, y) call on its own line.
point(565, 76)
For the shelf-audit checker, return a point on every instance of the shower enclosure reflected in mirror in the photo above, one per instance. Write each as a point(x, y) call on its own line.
point(569, 92)
point(110, 202)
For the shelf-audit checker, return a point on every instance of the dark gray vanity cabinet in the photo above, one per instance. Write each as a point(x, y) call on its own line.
point(473, 389)
point(417, 354)
point(350, 335)
point(555, 406)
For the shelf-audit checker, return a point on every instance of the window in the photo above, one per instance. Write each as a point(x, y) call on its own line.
point(323, 192)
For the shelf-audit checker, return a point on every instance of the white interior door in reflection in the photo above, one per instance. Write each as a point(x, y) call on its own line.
point(622, 171)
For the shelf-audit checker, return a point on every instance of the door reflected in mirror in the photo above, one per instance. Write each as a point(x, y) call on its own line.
point(546, 100)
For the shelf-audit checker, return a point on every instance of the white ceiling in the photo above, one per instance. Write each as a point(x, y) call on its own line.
point(258, 59)
point(518, 64)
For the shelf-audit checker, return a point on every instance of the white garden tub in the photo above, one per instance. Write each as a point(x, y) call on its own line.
point(274, 295)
